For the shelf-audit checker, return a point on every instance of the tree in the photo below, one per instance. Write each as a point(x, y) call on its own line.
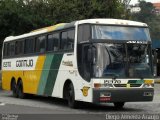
point(148, 16)
point(21, 16)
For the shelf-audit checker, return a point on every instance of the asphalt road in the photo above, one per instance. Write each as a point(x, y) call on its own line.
point(42, 107)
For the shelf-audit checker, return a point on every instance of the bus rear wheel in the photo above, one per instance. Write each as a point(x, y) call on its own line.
point(119, 105)
point(20, 90)
point(71, 97)
point(14, 88)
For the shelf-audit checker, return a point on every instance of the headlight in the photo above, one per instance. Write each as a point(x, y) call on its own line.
point(108, 85)
point(98, 85)
point(148, 85)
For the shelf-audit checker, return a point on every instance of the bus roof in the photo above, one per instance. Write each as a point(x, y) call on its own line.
point(112, 22)
point(41, 31)
point(67, 25)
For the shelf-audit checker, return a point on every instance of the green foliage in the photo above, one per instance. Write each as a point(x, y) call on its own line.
point(148, 16)
point(21, 16)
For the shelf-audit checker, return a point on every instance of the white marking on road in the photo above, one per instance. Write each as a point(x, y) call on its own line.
point(2, 104)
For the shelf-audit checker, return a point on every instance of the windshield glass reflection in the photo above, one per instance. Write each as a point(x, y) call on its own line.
point(120, 33)
point(122, 60)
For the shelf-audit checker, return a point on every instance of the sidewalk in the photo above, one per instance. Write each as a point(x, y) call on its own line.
point(157, 80)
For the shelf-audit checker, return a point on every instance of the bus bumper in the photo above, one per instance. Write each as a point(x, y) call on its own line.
point(122, 95)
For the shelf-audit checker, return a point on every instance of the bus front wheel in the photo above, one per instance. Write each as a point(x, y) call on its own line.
point(71, 96)
point(119, 105)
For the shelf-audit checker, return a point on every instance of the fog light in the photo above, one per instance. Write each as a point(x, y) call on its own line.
point(148, 94)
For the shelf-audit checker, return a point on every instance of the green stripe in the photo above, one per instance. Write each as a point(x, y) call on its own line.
point(140, 82)
point(135, 81)
point(56, 61)
point(44, 74)
point(132, 81)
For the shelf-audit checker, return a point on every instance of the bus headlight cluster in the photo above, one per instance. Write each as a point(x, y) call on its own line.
point(108, 85)
point(148, 85)
point(98, 85)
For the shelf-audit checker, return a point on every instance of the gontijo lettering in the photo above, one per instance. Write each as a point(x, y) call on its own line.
point(24, 63)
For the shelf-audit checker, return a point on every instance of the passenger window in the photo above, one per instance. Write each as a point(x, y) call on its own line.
point(8, 49)
point(53, 42)
point(56, 41)
point(19, 47)
point(40, 44)
point(50, 43)
point(12, 49)
point(29, 45)
point(67, 40)
point(5, 49)
point(83, 33)
point(64, 41)
point(71, 34)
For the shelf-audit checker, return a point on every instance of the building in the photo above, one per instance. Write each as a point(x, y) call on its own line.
point(135, 9)
point(157, 8)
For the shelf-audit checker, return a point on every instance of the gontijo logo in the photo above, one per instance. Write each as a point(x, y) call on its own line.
point(85, 90)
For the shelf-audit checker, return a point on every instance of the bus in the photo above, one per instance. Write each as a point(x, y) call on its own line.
point(98, 61)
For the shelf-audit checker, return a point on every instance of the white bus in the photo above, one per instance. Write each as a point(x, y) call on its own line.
point(92, 60)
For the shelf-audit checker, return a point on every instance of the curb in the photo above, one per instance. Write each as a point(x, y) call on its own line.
point(157, 82)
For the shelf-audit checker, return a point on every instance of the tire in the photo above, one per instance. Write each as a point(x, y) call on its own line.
point(71, 96)
point(14, 89)
point(119, 105)
point(20, 90)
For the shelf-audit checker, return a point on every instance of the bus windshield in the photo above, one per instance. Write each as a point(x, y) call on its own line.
point(122, 61)
point(129, 58)
point(120, 33)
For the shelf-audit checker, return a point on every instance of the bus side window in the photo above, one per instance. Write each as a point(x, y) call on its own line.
point(56, 41)
point(70, 41)
point(8, 49)
point(64, 45)
point(83, 33)
point(29, 45)
point(50, 43)
point(40, 44)
point(53, 42)
point(12, 49)
point(67, 40)
point(5, 49)
point(19, 47)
